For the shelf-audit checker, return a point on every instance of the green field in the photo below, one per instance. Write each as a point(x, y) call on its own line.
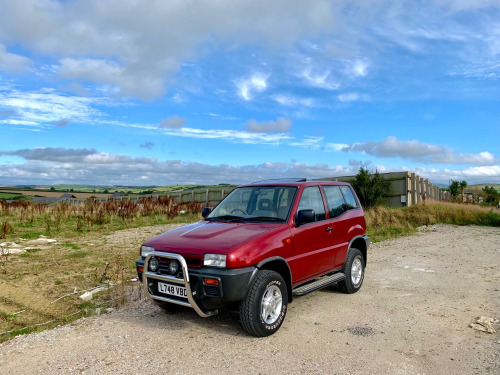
point(112, 189)
point(4, 196)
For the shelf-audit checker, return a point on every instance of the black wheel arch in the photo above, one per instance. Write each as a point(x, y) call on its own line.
point(362, 243)
point(279, 265)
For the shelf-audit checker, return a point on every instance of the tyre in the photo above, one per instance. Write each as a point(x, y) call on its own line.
point(354, 270)
point(264, 308)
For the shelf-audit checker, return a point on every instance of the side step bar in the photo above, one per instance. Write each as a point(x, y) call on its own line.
point(318, 284)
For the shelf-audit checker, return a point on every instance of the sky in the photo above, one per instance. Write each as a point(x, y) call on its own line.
point(129, 92)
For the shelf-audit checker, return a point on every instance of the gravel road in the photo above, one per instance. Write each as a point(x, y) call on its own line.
point(412, 316)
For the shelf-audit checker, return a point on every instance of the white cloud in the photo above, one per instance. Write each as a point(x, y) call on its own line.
point(313, 143)
point(489, 171)
point(173, 122)
point(350, 97)
point(294, 101)
point(50, 165)
point(12, 63)
point(231, 136)
point(359, 68)
point(421, 152)
point(45, 107)
point(323, 80)
point(247, 87)
point(281, 125)
point(335, 146)
point(143, 45)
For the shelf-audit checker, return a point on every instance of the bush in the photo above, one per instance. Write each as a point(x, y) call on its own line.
point(491, 196)
point(371, 189)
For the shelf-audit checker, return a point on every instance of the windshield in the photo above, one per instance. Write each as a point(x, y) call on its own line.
point(259, 203)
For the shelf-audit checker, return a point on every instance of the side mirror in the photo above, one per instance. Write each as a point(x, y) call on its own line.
point(305, 216)
point(205, 211)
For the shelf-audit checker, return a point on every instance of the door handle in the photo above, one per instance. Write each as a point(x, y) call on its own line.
point(329, 229)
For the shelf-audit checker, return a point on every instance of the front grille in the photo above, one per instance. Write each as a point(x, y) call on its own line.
point(195, 261)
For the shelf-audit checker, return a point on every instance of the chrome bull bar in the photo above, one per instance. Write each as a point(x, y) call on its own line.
point(171, 279)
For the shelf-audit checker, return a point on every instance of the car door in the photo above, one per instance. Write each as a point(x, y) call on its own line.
point(339, 221)
point(311, 254)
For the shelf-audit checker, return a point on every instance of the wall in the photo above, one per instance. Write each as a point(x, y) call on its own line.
point(406, 188)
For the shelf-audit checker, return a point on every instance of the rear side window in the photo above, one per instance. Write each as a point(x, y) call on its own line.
point(312, 200)
point(335, 201)
point(349, 197)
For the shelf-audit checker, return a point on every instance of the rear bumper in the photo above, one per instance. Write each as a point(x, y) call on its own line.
point(203, 298)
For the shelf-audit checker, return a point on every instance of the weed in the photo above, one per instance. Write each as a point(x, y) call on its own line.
point(28, 236)
point(77, 254)
point(72, 245)
point(4, 257)
point(385, 222)
point(5, 229)
point(29, 251)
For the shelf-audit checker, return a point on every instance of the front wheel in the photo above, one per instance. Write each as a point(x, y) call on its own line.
point(264, 308)
point(354, 270)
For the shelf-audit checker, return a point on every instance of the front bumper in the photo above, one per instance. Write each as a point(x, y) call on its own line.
point(204, 299)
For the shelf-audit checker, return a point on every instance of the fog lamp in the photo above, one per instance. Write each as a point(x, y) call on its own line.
point(154, 264)
point(173, 267)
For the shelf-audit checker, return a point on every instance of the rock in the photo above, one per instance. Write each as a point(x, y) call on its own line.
point(484, 324)
point(87, 296)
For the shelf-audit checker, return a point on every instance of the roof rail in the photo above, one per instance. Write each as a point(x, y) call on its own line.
point(281, 180)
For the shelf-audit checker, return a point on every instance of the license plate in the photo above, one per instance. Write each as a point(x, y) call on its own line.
point(173, 290)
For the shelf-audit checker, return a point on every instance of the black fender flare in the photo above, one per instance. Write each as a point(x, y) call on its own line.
point(284, 270)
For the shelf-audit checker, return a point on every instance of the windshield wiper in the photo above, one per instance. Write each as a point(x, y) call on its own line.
point(263, 218)
point(225, 218)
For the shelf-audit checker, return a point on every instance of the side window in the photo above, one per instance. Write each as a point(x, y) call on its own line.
point(335, 201)
point(312, 200)
point(349, 197)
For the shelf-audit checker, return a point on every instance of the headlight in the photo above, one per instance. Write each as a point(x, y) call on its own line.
point(215, 260)
point(145, 250)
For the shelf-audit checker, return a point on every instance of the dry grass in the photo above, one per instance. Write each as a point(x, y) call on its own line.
point(87, 254)
point(28, 219)
point(385, 222)
point(91, 251)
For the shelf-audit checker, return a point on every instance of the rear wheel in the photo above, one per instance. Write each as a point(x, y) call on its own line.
point(354, 270)
point(264, 308)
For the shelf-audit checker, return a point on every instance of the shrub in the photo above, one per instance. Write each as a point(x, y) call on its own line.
point(371, 189)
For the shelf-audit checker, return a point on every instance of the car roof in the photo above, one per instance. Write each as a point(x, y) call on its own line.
point(295, 182)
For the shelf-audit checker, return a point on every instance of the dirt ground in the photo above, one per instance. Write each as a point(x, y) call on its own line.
point(412, 316)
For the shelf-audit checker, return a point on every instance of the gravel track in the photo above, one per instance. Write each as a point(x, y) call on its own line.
point(411, 316)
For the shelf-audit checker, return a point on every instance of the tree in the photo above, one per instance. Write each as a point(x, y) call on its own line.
point(457, 188)
point(454, 189)
point(52, 188)
point(491, 196)
point(463, 185)
point(371, 189)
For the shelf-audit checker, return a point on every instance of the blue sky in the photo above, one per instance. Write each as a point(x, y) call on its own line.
point(177, 92)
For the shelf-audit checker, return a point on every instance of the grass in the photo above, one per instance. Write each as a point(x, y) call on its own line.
point(5, 196)
point(80, 259)
point(385, 222)
point(89, 252)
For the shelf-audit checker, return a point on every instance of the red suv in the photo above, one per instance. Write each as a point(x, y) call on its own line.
point(262, 245)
